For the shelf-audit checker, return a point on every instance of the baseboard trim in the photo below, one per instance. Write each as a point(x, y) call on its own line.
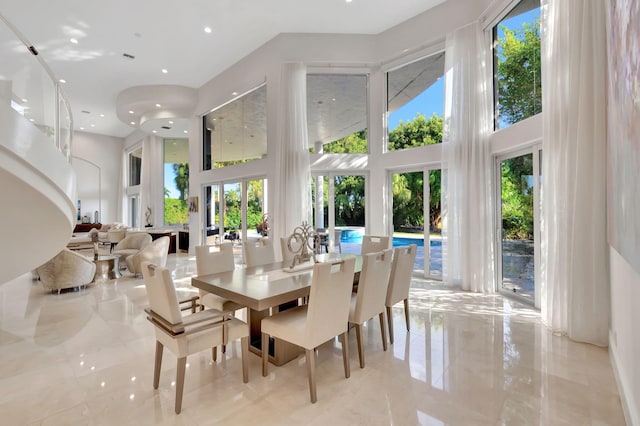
point(631, 415)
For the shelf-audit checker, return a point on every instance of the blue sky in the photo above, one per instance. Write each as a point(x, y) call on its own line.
point(170, 181)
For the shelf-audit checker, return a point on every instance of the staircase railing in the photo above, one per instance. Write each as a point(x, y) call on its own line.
point(33, 91)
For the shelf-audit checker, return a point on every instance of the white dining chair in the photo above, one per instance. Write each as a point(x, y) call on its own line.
point(399, 282)
point(213, 260)
point(260, 252)
point(374, 243)
point(370, 297)
point(337, 236)
point(323, 318)
point(186, 335)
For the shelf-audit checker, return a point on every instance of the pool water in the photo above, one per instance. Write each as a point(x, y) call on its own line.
point(355, 236)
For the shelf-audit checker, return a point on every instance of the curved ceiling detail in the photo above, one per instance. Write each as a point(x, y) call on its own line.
point(162, 110)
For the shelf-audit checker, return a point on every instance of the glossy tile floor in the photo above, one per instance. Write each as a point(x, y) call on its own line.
point(86, 357)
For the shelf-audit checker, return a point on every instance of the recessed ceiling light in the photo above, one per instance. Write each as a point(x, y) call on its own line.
point(234, 93)
point(32, 120)
point(164, 71)
point(133, 122)
point(101, 115)
point(170, 121)
point(24, 100)
point(333, 99)
point(154, 131)
point(207, 30)
point(158, 105)
point(62, 80)
point(93, 125)
point(73, 40)
point(348, 1)
point(81, 128)
point(186, 131)
point(131, 112)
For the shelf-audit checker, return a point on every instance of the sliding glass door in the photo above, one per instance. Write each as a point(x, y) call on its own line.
point(518, 183)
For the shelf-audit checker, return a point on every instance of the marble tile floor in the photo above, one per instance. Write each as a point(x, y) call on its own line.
point(86, 358)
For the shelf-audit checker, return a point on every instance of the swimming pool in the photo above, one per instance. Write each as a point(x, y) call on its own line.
point(355, 236)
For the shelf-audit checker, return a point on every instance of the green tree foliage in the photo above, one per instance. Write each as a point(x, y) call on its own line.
point(517, 197)
point(355, 143)
point(254, 203)
point(181, 173)
point(419, 132)
point(232, 214)
point(349, 200)
point(519, 79)
point(175, 211)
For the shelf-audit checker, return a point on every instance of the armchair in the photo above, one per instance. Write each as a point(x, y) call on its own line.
point(67, 269)
point(155, 253)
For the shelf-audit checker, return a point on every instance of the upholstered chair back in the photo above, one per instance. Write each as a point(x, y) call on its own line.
point(259, 252)
point(400, 277)
point(372, 286)
point(214, 259)
point(373, 243)
point(329, 300)
point(161, 292)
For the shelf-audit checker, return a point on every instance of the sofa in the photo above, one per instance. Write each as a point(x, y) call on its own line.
point(67, 269)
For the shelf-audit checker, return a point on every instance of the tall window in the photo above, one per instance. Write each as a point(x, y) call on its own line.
point(135, 166)
point(415, 100)
point(236, 132)
point(516, 63)
point(337, 113)
point(176, 181)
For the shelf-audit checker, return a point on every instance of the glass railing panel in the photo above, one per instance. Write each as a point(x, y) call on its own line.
point(29, 87)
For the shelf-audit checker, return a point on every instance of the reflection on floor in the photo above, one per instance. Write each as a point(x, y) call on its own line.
point(86, 357)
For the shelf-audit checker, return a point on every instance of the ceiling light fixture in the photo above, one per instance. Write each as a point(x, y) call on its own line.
point(186, 131)
point(154, 131)
point(164, 71)
point(73, 40)
point(170, 121)
point(24, 100)
point(207, 30)
point(348, 1)
point(81, 128)
point(131, 112)
point(133, 122)
point(62, 80)
point(101, 115)
point(158, 105)
point(93, 125)
point(234, 93)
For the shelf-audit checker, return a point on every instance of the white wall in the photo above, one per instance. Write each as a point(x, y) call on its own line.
point(104, 152)
point(624, 338)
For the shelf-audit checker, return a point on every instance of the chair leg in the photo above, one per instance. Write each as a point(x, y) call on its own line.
point(158, 364)
point(406, 312)
point(390, 323)
point(345, 354)
point(311, 369)
point(383, 331)
point(265, 354)
point(214, 353)
point(182, 363)
point(224, 349)
point(245, 359)
point(359, 340)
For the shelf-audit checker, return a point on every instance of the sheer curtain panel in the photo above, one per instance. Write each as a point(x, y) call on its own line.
point(575, 280)
point(467, 185)
point(294, 190)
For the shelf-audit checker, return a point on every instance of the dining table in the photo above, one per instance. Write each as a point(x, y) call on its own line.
point(266, 290)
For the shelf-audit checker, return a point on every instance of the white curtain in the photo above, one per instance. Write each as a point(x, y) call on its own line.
point(575, 288)
point(467, 185)
point(294, 196)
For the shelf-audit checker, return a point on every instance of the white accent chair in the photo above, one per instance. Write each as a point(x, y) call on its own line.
point(399, 282)
point(155, 253)
point(186, 335)
point(323, 318)
point(131, 244)
point(374, 243)
point(260, 252)
point(213, 260)
point(67, 269)
point(369, 300)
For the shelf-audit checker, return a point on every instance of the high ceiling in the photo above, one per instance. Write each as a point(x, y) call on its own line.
point(166, 34)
